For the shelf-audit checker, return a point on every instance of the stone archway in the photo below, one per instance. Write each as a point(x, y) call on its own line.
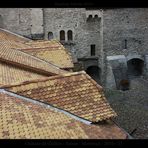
point(94, 72)
point(135, 67)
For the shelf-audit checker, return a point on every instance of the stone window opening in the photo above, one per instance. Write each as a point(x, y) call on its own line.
point(50, 35)
point(1, 22)
point(93, 50)
point(125, 44)
point(90, 16)
point(70, 35)
point(62, 35)
point(96, 16)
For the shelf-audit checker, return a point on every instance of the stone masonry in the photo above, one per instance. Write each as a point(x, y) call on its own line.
point(118, 36)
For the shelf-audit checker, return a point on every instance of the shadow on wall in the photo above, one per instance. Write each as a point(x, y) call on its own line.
point(1, 22)
point(94, 72)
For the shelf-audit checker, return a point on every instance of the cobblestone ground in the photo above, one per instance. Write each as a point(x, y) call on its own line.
point(131, 107)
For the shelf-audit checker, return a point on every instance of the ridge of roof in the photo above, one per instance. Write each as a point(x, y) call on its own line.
point(24, 119)
point(51, 78)
point(73, 89)
point(10, 74)
point(45, 105)
point(24, 60)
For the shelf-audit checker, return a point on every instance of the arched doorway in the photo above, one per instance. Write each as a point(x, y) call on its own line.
point(135, 67)
point(94, 72)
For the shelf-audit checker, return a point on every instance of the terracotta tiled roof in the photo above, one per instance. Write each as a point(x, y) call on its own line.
point(51, 51)
point(10, 74)
point(44, 43)
point(74, 92)
point(7, 35)
point(22, 59)
point(21, 119)
point(13, 44)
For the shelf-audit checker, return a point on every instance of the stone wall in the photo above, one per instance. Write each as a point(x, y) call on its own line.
point(24, 21)
point(114, 31)
point(129, 24)
point(85, 32)
point(16, 20)
point(125, 32)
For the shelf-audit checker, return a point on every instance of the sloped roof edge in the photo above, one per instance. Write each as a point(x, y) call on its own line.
point(27, 39)
point(53, 77)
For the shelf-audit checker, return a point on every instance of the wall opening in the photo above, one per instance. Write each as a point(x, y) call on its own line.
point(50, 35)
point(125, 44)
point(124, 85)
point(90, 17)
point(135, 67)
point(93, 50)
point(1, 22)
point(62, 35)
point(69, 35)
point(94, 72)
point(96, 16)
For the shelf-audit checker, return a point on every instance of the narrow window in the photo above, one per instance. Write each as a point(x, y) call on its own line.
point(125, 44)
point(96, 16)
point(69, 34)
point(50, 35)
point(1, 22)
point(90, 16)
point(93, 49)
point(62, 35)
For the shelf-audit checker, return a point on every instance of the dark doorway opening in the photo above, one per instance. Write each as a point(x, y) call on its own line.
point(50, 35)
point(135, 67)
point(124, 85)
point(94, 72)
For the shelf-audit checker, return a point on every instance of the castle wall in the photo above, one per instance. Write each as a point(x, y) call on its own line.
point(129, 24)
point(85, 32)
point(24, 21)
point(115, 31)
point(16, 20)
point(125, 32)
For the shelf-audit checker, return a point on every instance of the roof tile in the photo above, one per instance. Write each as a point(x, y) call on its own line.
point(10, 75)
point(19, 58)
point(67, 91)
point(50, 51)
point(21, 119)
